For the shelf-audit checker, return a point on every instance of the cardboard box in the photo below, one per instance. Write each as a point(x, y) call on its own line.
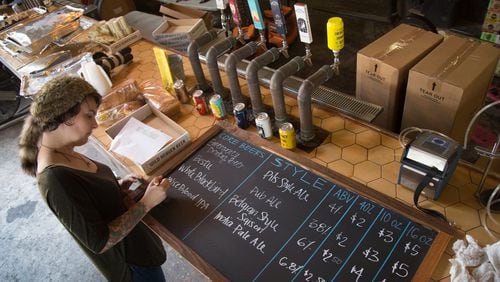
point(449, 85)
point(122, 43)
point(154, 118)
point(177, 34)
point(114, 8)
point(180, 12)
point(382, 70)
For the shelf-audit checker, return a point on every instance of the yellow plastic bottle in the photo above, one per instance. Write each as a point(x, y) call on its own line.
point(335, 34)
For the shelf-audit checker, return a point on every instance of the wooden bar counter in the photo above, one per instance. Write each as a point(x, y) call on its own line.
point(356, 150)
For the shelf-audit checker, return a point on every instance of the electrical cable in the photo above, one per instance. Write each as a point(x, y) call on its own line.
point(408, 130)
point(427, 178)
point(484, 219)
point(473, 120)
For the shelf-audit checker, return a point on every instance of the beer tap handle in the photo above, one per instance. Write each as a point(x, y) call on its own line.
point(280, 23)
point(234, 11)
point(335, 36)
point(237, 19)
point(258, 20)
point(305, 31)
point(222, 5)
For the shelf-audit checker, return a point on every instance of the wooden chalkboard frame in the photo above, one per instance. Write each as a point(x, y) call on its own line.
point(445, 232)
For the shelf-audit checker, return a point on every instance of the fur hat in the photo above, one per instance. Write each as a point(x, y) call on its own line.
point(58, 96)
point(51, 102)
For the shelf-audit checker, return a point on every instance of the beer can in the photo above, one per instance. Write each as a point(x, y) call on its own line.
point(199, 102)
point(287, 136)
point(263, 124)
point(217, 106)
point(181, 91)
point(241, 115)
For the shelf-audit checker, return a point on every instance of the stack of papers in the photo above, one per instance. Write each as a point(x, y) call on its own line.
point(138, 141)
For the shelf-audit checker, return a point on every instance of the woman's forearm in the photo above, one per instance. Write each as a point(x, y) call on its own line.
point(122, 225)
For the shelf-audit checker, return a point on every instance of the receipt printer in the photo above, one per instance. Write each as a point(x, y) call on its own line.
point(426, 151)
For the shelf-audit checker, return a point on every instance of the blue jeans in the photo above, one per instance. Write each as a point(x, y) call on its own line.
point(147, 273)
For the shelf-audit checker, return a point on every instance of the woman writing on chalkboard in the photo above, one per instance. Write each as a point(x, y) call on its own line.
point(84, 194)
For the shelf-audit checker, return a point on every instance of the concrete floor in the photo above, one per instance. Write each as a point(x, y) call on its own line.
point(34, 246)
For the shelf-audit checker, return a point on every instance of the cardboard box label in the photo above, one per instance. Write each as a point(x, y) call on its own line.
point(432, 91)
point(434, 85)
point(433, 96)
point(173, 148)
point(373, 72)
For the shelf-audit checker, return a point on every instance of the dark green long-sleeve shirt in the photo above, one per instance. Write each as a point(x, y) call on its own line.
point(85, 203)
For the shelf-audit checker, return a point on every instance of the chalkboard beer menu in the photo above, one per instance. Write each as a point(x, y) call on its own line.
point(255, 214)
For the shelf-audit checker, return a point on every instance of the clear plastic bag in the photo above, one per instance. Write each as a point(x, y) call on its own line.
point(159, 98)
point(126, 91)
point(109, 116)
point(31, 83)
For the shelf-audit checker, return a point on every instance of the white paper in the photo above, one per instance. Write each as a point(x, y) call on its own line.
point(138, 141)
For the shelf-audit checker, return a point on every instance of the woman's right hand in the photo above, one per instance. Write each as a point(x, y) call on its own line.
point(156, 192)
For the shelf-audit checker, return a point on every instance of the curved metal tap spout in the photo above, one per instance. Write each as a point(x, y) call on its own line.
point(213, 69)
point(276, 86)
point(194, 58)
point(253, 78)
point(231, 72)
point(306, 132)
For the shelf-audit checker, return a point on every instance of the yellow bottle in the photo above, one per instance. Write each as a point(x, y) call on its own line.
point(335, 34)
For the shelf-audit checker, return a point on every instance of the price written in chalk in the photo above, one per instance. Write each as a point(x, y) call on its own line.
point(294, 269)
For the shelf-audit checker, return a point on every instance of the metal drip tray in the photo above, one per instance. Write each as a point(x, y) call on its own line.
point(322, 96)
point(346, 104)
